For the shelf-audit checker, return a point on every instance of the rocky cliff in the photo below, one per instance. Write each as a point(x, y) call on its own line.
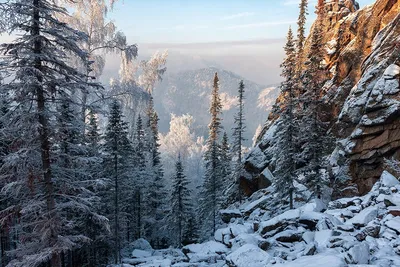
point(361, 97)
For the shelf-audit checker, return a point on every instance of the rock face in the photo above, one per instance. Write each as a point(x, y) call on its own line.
point(362, 97)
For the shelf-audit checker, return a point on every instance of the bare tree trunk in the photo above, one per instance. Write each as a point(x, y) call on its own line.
point(44, 131)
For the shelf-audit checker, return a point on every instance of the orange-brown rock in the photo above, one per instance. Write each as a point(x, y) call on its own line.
point(362, 97)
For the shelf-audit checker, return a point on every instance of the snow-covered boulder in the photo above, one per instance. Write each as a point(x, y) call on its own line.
point(322, 238)
point(315, 205)
point(248, 256)
point(311, 219)
point(364, 217)
point(388, 179)
point(139, 253)
point(209, 247)
point(281, 220)
point(233, 230)
point(359, 254)
point(394, 224)
point(228, 215)
point(315, 261)
point(259, 203)
point(141, 244)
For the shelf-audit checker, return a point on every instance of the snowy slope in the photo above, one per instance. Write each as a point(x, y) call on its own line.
point(359, 231)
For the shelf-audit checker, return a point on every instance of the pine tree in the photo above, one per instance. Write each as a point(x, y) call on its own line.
point(226, 160)
point(92, 134)
point(315, 138)
point(40, 76)
point(191, 234)
point(213, 181)
point(117, 158)
point(238, 138)
point(141, 176)
point(5, 142)
point(301, 37)
point(181, 204)
point(155, 204)
point(99, 250)
point(287, 129)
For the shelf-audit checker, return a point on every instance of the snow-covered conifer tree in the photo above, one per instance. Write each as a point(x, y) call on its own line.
point(118, 160)
point(90, 17)
point(315, 140)
point(181, 204)
point(301, 36)
point(40, 77)
point(226, 160)
point(212, 187)
point(141, 175)
point(287, 129)
point(156, 192)
point(238, 137)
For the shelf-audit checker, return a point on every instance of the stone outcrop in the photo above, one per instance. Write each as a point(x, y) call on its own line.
point(362, 97)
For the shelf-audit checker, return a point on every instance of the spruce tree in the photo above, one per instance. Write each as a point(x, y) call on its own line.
point(140, 177)
point(238, 138)
point(156, 195)
point(181, 204)
point(213, 181)
point(40, 77)
point(99, 250)
point(92, 132)
point(315, 140)
point(287, 128)
point(117, 158)
point(301, 37)
point(5, 201)
point(226, 160)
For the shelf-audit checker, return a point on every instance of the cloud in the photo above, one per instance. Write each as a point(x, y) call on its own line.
point(212, 45)
point(258, 25)
point(239, 15)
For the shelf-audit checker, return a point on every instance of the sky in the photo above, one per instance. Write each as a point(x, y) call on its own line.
point(243, 36)
point(199, 21)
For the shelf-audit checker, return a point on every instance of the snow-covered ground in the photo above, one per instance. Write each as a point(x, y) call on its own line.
point(357, 232)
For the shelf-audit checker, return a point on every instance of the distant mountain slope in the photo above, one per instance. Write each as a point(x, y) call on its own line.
point(188, 92)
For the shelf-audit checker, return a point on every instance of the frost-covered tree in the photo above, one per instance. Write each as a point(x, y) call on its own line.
point(213, 181)
point(301, 36)
point(118, 159)
point(287, 129)
point(135, 92)
point(90, 17)
point(153, 70)
point(40, 77)
point(141, 174)
point(93, 134)
point(5, 148)
point(181, 139)
point(226, 159)
point(181, 204)
point(315, 140)
point(156, 193)
point(238, 138)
